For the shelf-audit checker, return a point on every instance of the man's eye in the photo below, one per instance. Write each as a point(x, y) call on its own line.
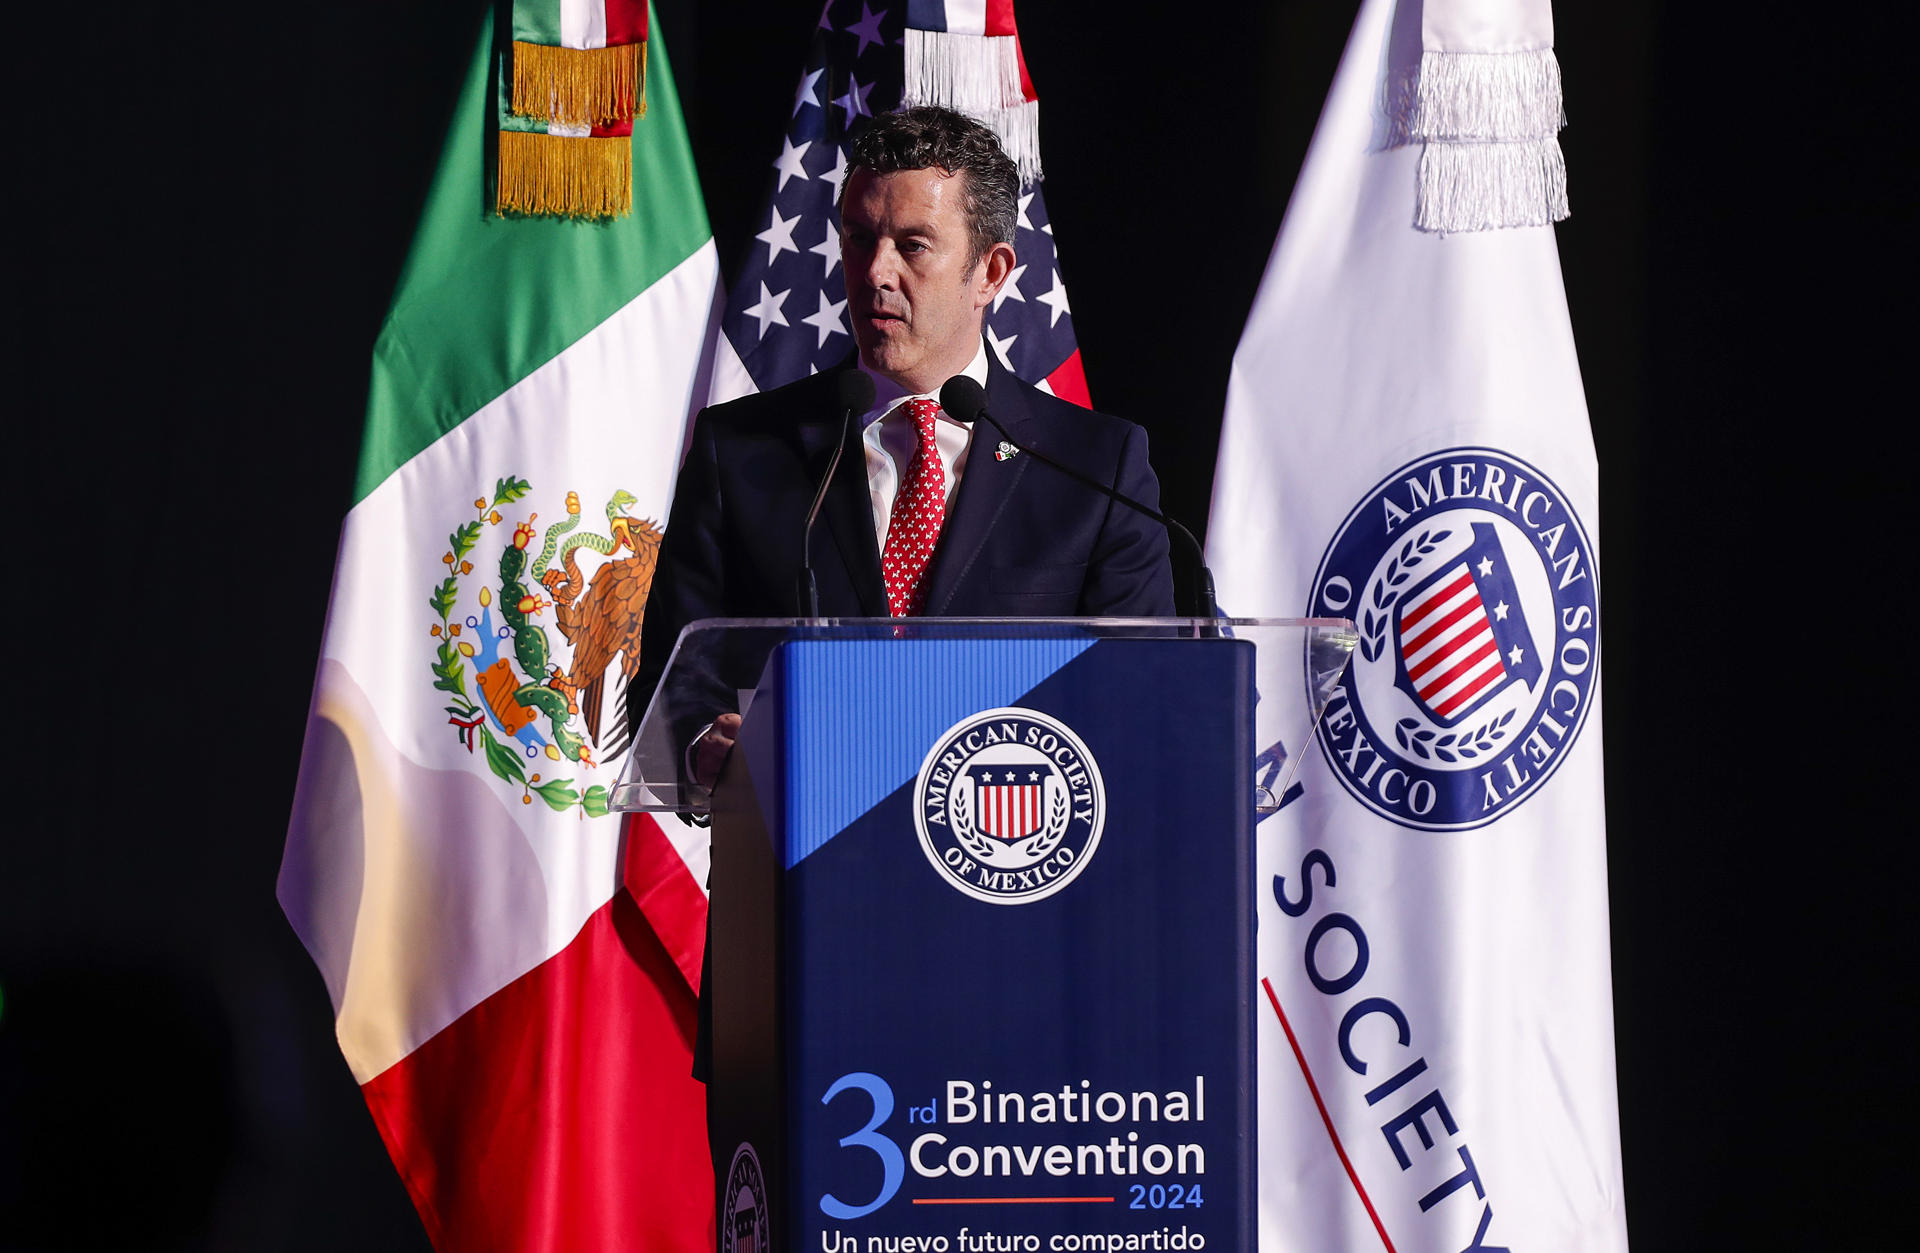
point(913, 245)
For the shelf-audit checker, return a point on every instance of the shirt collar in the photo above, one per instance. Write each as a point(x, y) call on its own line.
point(888, 394)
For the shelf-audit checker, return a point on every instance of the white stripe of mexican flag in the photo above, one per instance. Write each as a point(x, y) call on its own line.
point(583, 23)
point(1436, 1055)
point(449, 863)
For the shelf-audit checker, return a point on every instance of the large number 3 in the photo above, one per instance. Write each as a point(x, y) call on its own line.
point(892, 1163)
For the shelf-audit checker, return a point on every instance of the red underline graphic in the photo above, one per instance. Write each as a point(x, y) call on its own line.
point(1009, 1200)
point(1324, 1116)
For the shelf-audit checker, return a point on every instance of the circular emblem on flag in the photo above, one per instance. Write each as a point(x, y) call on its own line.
point(1472, 584)
point(746, 1228)
point(1009, 806)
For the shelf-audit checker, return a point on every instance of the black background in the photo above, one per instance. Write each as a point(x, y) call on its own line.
point(210, 208)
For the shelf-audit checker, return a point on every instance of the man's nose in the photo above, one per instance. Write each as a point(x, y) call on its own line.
point(883, 267)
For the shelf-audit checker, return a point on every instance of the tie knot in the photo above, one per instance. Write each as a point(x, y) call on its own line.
point(922, 413)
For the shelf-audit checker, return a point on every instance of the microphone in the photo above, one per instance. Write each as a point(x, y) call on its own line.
point(965, 401)
point(852, 393)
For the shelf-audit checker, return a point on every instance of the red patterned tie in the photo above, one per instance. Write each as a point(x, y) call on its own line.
point(919, 507)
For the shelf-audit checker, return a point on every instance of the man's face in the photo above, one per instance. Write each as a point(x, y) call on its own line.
point(915, 302)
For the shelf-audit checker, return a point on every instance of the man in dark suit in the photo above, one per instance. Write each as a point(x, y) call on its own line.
point(925, 514)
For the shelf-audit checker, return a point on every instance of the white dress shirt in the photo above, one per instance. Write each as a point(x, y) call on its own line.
point(891, 441)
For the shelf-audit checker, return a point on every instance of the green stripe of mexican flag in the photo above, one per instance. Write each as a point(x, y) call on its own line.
point(449, 841)
point(538, 22)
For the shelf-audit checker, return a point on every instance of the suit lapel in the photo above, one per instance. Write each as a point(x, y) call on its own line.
point(985, 487)
point(847, 510)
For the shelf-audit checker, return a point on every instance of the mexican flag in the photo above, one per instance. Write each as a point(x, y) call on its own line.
point(513, 971)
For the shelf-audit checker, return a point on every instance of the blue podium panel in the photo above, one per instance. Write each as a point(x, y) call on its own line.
point(1001, 984)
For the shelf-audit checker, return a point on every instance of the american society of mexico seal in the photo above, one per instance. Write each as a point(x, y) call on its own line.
point(1473, 587)
point(744, 1204)
point(1009, 805)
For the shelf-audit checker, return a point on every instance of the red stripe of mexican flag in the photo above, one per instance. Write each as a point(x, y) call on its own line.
point(581, 1065)
point(513, 973)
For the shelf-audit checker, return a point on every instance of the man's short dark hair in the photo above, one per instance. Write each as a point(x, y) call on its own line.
point(928, 136)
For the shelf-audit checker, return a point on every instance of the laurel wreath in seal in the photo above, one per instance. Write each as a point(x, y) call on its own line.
point(960, 813)
point(1426, 744)
point(1376, 617)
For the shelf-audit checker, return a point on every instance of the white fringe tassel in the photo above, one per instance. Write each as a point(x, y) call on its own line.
point(978, 75)
point(1483, 187)
point(1489, 122)
point(1481, 96)
point(972, 74)
point(1018, 130)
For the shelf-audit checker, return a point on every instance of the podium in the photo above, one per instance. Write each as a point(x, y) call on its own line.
point(980, 967)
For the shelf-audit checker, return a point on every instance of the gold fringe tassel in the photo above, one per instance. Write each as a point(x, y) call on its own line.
point(580, 86)
point(564, 176)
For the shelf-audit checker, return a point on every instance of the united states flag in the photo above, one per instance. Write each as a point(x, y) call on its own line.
point(786, 313)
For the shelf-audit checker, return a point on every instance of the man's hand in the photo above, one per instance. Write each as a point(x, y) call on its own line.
point(710, 750)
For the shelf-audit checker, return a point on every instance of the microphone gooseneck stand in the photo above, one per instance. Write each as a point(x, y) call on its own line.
point(853, 393)
point(965, 401)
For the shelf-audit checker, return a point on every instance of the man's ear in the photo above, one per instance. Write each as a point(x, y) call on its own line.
point(992, 273)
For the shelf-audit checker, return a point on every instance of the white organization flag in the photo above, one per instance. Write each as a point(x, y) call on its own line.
point(1406, 444)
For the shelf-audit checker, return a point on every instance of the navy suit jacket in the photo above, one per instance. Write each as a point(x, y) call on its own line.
point(1020, 538)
